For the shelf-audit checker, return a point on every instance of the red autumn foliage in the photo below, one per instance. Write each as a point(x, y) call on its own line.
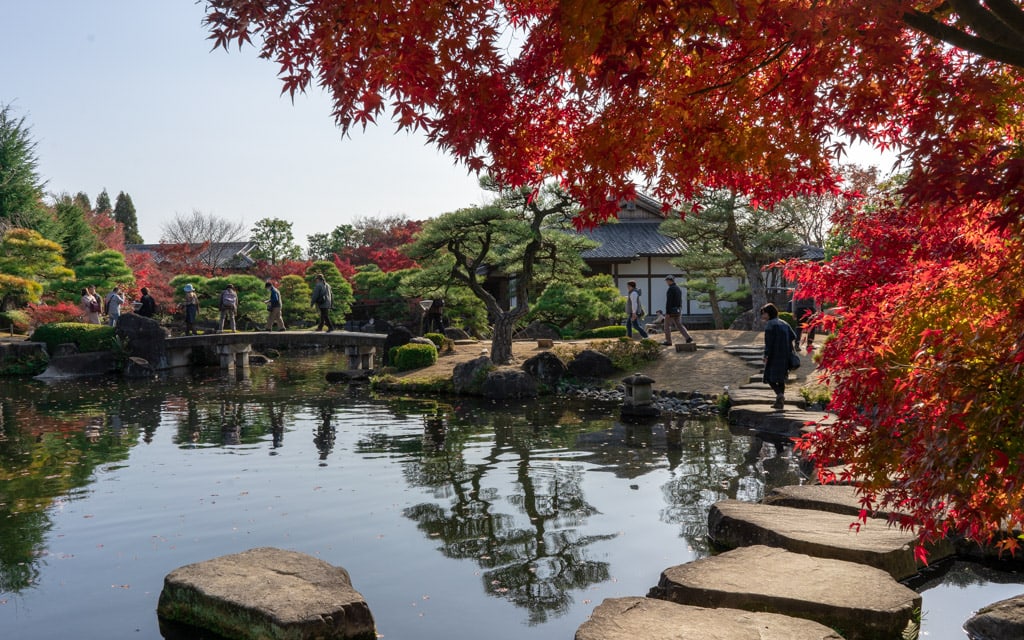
point(755, 97)
point(284, 268)
point(54, 312)
point(154, 276)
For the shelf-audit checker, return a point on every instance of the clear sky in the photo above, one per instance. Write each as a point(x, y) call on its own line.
point(127, 95)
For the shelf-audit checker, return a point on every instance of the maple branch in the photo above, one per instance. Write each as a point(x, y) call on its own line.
point(984, 22)
point(929, 26)
point(1011, 15)
point(757, 67)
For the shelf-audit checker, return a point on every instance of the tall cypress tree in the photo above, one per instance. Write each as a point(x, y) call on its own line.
point(124, 212)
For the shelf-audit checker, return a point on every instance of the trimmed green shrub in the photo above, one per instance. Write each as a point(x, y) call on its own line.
point(88, 337)
point(15, 318)
point(437, 338)
point(414, 356)
point(788, 318)
point(612, 331)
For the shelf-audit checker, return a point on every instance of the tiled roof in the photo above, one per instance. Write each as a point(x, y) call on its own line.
point(629, 240)
point(224, 254)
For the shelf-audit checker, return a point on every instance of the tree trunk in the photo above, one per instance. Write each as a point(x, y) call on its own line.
point(501, 342)
point(758, 294)
point(716, 311)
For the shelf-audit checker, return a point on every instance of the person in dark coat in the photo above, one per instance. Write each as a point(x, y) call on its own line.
point(673, 311)
point(147, 305)
point(779, 341)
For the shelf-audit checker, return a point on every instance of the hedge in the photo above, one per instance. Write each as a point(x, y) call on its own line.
point(88, 337)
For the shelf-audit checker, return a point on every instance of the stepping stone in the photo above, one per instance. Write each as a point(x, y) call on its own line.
point(732, 524)
point(790, 421)
point(833, 498)
point(267, 593)
point(858, 601)
point(762, 395)
point(651, 619)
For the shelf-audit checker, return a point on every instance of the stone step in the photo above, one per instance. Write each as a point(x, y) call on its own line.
point(635, 617)
point(858, 601)
point(833, 498)
point(761, 395)
point(733, 524)
point(790, 421)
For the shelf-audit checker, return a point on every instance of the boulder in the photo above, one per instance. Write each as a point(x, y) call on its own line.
point(506, 383)
point(1003, 620)
point(138, 369)
point(267, 593)
point(143, 337)
point(468, 377)
point(396, 338)
point(591, 364)
point(635, 617)
point(96, 363)
point(538, 329)
point(546, 367)
point(455, 333)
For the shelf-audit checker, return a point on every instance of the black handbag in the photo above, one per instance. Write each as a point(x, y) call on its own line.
point(794, 360)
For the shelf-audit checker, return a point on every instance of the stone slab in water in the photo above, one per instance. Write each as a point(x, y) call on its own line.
point(762, 395)
point(858, 601)
point(267, 593)
point(732, 524)
point(834, 498)
point(1003, 620)
point(790, 421)
point(651, 619)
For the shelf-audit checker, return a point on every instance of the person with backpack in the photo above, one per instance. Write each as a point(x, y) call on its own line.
point(228, 308)
point(322, 299)
point(635, 312)
point(112, 305)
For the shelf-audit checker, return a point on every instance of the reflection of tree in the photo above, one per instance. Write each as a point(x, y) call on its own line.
point(534, 556)
point(325, 433)
point(715, 465)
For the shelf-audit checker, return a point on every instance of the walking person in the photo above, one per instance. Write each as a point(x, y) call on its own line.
point(191, 310)
point(322, 299)
point(779, 341)
point(228, 308)
point(113, 303)
point(147, 305)
point(274, 307)
point(673, 311)
point(634, 310)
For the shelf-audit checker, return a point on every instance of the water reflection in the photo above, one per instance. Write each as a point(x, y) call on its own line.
point(540, 498)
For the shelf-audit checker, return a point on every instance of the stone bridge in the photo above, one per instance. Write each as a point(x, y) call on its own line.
point(233, 349)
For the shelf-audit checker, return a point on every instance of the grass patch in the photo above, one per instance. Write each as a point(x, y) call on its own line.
point(626, 354)
point(390, 383)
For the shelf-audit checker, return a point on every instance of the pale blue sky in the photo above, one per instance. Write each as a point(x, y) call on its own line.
point(127, 95)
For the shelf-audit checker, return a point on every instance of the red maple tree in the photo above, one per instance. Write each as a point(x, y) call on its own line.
point(757, 97)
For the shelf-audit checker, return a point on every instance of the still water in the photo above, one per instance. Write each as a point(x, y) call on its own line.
point(455, 519)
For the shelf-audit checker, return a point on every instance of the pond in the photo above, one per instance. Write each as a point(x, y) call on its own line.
point(455, 519)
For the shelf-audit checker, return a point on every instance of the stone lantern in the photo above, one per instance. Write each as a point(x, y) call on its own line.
point(638, 398)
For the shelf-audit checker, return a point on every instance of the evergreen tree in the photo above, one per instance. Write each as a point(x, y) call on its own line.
point(103, 203)
point(124, 212)
point(274, 241)
point(82, 200)
point(72, 230)
point(21, 190)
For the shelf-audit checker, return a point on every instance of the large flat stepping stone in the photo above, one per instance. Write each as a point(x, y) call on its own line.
point(762, 395)
point(732, 524)
point(267, 593)
point(651, 619)
point(790, 421)
point(834, 498)
point(858, 601)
